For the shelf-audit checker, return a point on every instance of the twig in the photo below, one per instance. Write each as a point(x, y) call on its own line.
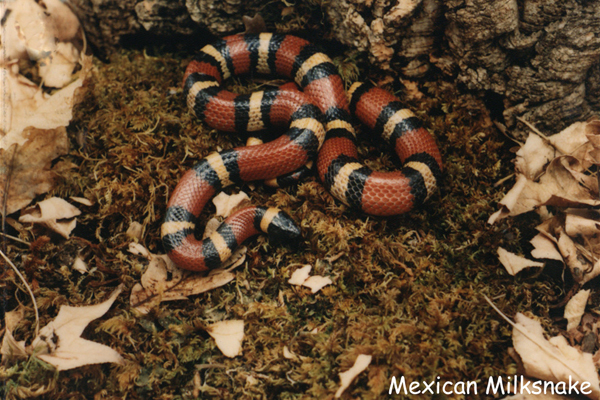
point(4, 203)
point(16, 239)
point(35, 307)
point(533, 128)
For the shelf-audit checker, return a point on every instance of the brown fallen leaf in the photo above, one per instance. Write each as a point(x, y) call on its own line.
point(545, 248)
point(164, 281)
point(533, 157)
point(552, 360)
point(575, 308)
point(60, 343)
point(54, 213)
point(228, 336)
point(31, 171)
point(554, 171)
point(301, 277)
point(35, 122)
point(11, 348)
point(515, 263)
point(346, 377)
point(225, 203)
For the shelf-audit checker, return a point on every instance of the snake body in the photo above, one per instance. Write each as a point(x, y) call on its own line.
point(319, 117)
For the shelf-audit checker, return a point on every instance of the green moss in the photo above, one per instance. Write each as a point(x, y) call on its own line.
point(407, 290)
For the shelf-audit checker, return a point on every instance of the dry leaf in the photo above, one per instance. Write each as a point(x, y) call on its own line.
point(54, 213)
point(11, 348)
point(582, 223)
point(574, 141)
point(564, 179)
point(288, 354)
point(300, 275)
point(361, 363)
point(31, 171)
point(552, 360)
point(60, 343)
point(228, 336)
point(545, 248)
point(581, 268)
point(533, 156)
point(515, 263)
point(314, 283)
point(139, 250)
point(575, 308)
point(225, 203)
point(80, 265)
point(35, 122)
point(163, 281)
point(135, 230)
point(575, 241)
point(29, 107)
point(510, 203)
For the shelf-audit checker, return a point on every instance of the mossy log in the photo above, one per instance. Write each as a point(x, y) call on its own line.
point(533, 59)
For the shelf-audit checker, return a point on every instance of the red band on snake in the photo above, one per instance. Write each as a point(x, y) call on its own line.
point(320, 124)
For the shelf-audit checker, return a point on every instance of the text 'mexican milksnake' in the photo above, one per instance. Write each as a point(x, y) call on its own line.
point(320, 126)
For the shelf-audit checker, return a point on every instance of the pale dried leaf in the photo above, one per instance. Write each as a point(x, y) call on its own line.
point(35, 122)
point(581, 269)
point(561, 185)
point(545, 248)
point(60, 343)
point(66, 24)
point(57, 69)
point(346, 378)
point(28, 30)
point(225, 203)
point(51, 209)
point(35, 109)
point(80, 265)
point(552, 360)
point(82, 200)
point(139, 250)
point(300, 275)
point(289, 354)
point(54, 213)
point(164, 281)
point(575, 308)
point(533, 156)
point(135, 231)
point(515, 263)
point(573, 141)
point(582, 223)
point(228, 336)
point(316, 283)
point(32, 171)
point(11, 348)
point(509, 202)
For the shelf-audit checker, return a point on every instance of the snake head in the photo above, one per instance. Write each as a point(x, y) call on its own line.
point(283, 231)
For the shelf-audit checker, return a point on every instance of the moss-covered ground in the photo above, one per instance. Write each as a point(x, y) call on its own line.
point(407, 290)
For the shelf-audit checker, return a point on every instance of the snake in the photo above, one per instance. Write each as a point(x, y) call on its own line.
point(319, 113)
